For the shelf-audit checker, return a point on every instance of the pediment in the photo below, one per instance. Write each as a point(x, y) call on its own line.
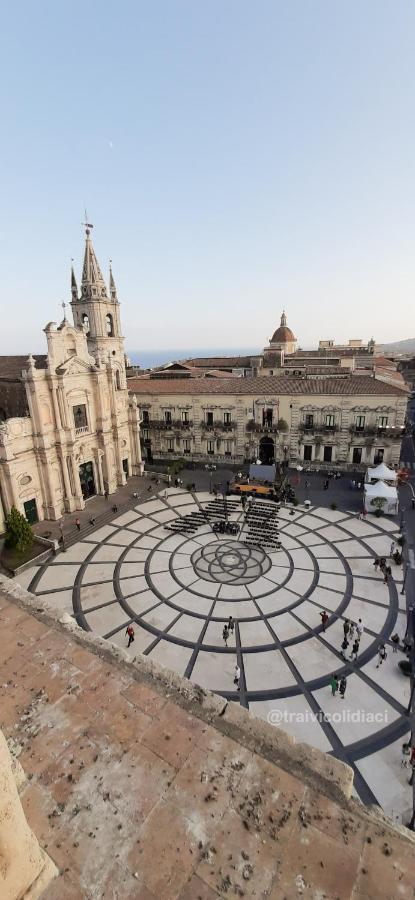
point(74, 365)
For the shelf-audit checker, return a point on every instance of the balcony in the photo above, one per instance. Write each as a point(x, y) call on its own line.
point(162, 425)
point(385, 431)
point(218, 426)
point(264, 427)
point(82, 429)
point(317, 428)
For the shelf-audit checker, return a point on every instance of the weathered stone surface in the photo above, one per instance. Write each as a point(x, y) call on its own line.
point(25, 870)
point(142, 785)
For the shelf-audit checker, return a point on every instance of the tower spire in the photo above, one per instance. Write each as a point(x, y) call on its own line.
point(93, 284)
point(74, 286)
point(283, 318)
point(113, 289)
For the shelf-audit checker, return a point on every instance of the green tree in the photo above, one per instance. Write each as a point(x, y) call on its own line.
point(19, 534)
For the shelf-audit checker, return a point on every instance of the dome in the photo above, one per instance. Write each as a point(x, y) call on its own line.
point(282, 335)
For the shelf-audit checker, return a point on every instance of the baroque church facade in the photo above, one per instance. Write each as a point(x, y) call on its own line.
point(68, 428)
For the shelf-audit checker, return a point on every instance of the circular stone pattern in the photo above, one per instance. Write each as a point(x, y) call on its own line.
point(231, 562)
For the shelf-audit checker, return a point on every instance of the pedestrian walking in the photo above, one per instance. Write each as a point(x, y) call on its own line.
point(412, 764)
point(237, 676)
point(326, 484)
point(395, 642)
point(344, 647)
point(355, 650)
point(106, 495)
point(352, 484)
point(382, 654)
point(342, 687)
point(352, 630)
point(406, 755)
point(360, 628)
point(115, 508)
point(334, 684)
point(346, 627)
point(392, 549)
point(78, 524)
point(130, 632)
point(231, 625)
point(376, 564)
point(382, 563)
point(324, 619)
point(225, 635)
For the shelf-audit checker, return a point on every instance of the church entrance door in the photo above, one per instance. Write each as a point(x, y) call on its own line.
point(87, 479)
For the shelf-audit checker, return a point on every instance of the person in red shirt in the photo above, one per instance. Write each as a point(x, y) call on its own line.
point(324, 619)
point(130, 632)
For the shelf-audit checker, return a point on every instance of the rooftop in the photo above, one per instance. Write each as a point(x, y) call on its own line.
point(352, 385)
point(141, 785)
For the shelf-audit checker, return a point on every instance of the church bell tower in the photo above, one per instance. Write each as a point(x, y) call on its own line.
point(96, 310)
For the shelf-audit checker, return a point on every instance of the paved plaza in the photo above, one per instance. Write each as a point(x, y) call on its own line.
point(179, 589)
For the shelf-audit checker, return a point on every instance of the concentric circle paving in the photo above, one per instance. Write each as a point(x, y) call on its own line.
point(230, 562)
point(178, 589)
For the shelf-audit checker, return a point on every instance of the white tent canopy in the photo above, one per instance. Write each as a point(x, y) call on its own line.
point(383, 492)
point(380, 489)
point(381, 473)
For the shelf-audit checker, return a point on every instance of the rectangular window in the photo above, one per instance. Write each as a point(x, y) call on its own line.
point(185, 415)
point(267, 417)
point(228, 448)
point(329, 420)
point(379, 454)
point(227, 418)
point(309, 420)
point(308, 452)
point(357, 454)
point(360, 423)
point(328, 453)
point(382, 422)
point(186, 446)
point(170, 445)
point(211, 447)
point(145, 434)
point(209, 418)
point(145, 416)
point(80, 418)
point(167, 417)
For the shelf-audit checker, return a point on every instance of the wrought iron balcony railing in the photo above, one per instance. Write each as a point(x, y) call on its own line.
point(218, 425)
point(162, 425)
point(263, 427)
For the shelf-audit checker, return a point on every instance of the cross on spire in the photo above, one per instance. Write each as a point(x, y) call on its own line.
point(87, 225)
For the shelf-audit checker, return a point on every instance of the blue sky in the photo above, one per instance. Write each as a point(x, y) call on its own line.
point(235, 158)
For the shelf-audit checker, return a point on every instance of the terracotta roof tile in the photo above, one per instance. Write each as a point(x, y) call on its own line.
point(351, 385)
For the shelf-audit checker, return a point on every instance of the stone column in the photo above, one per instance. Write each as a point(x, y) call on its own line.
point(80, 502)
point(98, 459)
point(25, 870)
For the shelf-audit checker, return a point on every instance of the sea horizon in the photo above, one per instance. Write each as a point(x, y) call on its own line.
point(149, 358)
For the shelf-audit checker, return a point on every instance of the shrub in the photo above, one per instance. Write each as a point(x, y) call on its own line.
point(378, 512)
point(282, 425)
point(333, 505)
point(19, 534)
point(401, 540)
point(295, 501)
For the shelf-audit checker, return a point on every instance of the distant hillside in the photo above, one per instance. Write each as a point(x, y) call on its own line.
point(407, 346)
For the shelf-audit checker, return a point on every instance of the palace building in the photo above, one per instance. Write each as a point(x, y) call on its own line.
point(68, 428)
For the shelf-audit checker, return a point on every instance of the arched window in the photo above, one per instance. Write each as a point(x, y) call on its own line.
point(85, 323)
point(110, 325)
point(117, 380)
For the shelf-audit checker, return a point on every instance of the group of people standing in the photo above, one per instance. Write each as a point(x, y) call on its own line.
point(352, 632)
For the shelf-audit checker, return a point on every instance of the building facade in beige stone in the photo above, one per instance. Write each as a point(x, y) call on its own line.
point(80, 434)
point(349, 421)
